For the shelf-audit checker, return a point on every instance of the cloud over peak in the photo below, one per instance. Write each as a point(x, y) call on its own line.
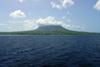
point(48, 21)
point(17, 14)
point(97, 5)
point(52, 21)
point(63, 4)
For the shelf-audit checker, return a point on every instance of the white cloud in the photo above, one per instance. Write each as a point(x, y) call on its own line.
point(27, 0)
point(48, 21)
point(66, 3)
point(18, 26)
point(97, 5)
point(54, 5)
point(24, 25)
point(52, 21)
point(21, 1)
point(63, 4)
point(17, 14)
point(36, 0)
point(29, 25)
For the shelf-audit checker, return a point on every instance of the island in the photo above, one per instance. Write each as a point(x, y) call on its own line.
point(49, 30)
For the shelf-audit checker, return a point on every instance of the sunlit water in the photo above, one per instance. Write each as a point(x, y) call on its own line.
point(50, 51)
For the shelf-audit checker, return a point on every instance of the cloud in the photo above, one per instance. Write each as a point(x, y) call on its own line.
point(24, 25)
point(17, 14)
point(48, 21)
point(29, 25)
point(27, 0)
point(52, 21)
point(97, 5)
point(63, 4)
point(21, 1)
point(36, 0)
point(54, 5)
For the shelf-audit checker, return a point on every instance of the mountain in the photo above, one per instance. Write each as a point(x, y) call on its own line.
point(49, 30)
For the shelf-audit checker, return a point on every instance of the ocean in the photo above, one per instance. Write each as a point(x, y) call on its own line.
point(50, 51)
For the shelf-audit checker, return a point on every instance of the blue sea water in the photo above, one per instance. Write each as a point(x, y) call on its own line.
point(50, 51)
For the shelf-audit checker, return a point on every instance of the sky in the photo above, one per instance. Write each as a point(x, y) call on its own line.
point(23, 15)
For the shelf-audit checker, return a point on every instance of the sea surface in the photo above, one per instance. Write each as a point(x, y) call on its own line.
point(50, 51)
